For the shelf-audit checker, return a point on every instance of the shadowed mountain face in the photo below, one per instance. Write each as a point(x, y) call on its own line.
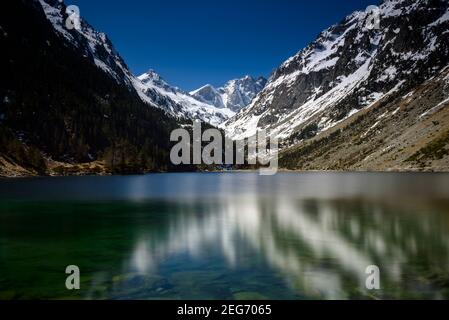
point(353, 68)
point(67, 98)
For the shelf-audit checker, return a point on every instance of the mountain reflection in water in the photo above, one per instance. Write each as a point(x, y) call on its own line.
point(234, 236)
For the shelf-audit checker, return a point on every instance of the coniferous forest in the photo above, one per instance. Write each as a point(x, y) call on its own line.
point(60, 106)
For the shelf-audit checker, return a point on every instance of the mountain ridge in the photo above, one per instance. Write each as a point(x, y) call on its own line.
point(177, 102)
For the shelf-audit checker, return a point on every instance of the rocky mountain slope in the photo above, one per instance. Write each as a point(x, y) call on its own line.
point(349, 70)
point(234, 95)
point(406, 132)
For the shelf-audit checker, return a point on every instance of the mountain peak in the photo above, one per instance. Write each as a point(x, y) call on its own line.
point(150, 75)
point(152, 72)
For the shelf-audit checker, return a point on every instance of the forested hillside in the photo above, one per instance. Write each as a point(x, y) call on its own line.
point(58, 109)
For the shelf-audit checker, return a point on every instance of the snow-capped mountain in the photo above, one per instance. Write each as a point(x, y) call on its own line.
point(348, 69)
point(178, 102)
point(208, 104)
point(234, 95)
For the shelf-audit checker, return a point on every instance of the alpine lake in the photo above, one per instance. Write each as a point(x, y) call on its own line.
point(226, 236)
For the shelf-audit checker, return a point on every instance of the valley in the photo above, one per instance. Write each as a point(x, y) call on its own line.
point(357, 98)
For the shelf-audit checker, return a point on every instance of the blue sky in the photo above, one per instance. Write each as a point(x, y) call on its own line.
point(192, 43)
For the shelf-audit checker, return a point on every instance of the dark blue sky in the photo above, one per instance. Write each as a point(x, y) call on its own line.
point(191, 43)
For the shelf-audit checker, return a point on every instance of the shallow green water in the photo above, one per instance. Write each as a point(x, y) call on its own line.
point(226, 236)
